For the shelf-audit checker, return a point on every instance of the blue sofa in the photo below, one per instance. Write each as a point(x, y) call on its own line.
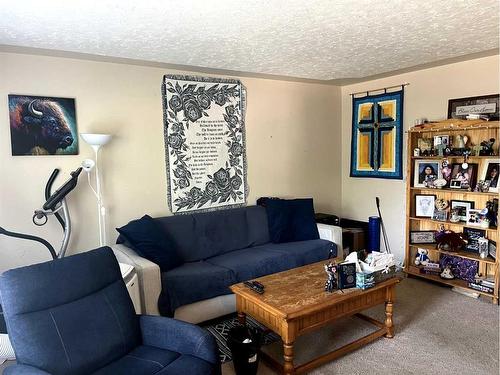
point(73, 316)
point(219, 248)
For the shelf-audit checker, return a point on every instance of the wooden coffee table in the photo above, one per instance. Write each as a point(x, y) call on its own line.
point(295, 303)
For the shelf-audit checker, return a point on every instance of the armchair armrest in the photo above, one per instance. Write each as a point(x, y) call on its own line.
point(23, 370)
point(332, 233)
point(148, 274)
point(178, 336)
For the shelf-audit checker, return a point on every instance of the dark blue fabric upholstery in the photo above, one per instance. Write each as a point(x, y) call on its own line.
point(203, 235)
point(73, 316)
point(306, 252)
point(149, 240)
point(291, 220)
point(193, 282)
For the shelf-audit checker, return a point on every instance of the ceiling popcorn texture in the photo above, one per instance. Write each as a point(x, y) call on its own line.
point(314, 39)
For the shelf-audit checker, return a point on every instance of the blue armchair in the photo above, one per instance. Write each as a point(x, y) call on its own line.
point(73, 316)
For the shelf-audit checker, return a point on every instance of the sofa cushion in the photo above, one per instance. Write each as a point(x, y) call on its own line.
point(193, 282)
point(254, 262)
point(306, 252)
point(291, 220)
point(143, 360)
point(203, 235)
point(149, 240)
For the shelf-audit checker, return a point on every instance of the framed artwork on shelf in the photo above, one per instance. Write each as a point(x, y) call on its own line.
point(489, 173)
point(467, 177)
point(426, 170)
point(485, 105)
point(424, 205)
point(419, 237)
point(475, 218)
point(440, 215)
point(442, 140)
point(473, 235)
point(461, 207)
point(492, 249)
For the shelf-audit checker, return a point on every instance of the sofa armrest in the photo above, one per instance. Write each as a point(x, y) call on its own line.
point(148, 274)
point(23, 370)
point(178, 336)
point(332, 233)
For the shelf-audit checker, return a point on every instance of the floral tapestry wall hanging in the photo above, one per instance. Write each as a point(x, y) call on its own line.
point(204, 128)
point(377, 136)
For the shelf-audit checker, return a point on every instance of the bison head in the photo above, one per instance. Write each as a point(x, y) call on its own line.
point(42, 123)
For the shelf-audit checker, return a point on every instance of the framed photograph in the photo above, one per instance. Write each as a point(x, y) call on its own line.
point(441, 140)
point(467, 177)
point(487, 105)
point(440, 215)
point(455, 184)
point(462, 207)
point(424, 205)
point(489, 173)
point(473, 235)
point(474, 218)
point(42, 125)
point(492, 249)
point(426, 170)
point(422, 237)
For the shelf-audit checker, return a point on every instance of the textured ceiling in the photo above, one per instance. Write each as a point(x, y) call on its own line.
point(315, 39)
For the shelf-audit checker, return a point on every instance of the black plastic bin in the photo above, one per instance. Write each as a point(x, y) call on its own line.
point(245, 355)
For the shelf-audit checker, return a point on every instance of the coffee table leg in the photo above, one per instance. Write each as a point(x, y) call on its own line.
point(242, 318)
point(288, 356)
point(388, 320)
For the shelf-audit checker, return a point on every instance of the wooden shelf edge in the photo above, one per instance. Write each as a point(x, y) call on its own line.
point(455, 282)
point(459, 191)
point(461, 254)
point(460, 223)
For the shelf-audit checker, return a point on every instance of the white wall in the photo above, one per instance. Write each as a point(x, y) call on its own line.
point(293, 141)
point(426, 97)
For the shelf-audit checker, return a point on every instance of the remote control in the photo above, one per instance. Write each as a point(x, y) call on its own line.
point(255, 288)
point(258, 284)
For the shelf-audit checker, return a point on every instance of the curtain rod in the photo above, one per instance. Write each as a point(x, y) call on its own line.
point(382, 89)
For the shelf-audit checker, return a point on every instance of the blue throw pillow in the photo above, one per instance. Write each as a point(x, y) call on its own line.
point(149, 241)
point(291, 220)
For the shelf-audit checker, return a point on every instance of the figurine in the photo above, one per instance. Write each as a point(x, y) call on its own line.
point(460, 141)
point(454, 215)
point(447, 273)
point(440, 149)
point(422, 257)
point(331, 283)
point(492, 214)
point(446, 170)
point(477, 150)
point(487, 147)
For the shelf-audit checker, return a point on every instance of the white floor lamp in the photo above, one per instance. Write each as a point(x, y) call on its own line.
point(96, 141)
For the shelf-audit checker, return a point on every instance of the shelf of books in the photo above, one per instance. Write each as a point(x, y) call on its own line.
point(452, 204)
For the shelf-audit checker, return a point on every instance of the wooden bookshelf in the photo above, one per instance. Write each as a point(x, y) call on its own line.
point(476, 131)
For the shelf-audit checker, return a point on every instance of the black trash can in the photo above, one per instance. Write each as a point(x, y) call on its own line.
point(245, 343)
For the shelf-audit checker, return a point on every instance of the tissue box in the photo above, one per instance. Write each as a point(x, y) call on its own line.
point(369, 280)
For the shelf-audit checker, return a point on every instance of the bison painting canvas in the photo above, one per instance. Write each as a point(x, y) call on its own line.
point(41, 125)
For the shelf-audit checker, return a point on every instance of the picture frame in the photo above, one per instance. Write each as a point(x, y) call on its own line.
point(487, 105)
point(420, 237)
point(462, 207)
point(455, 184)
point(440, 215)
point(441, 140)
point(467, 177)
point(473, 235)
point(426, 169)
point(474, 218)
point(489, 172)
point(492, 249)
point(424, 205)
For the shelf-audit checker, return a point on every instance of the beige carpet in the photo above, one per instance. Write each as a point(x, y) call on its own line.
point(437, 332)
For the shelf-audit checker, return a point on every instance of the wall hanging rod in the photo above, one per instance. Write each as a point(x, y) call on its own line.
point(384, 89)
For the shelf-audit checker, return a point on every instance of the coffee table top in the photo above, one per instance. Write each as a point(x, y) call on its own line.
point(300, 291)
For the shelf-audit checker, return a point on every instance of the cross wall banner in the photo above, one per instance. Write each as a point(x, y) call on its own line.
point(377, 136)
point(204, 129)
